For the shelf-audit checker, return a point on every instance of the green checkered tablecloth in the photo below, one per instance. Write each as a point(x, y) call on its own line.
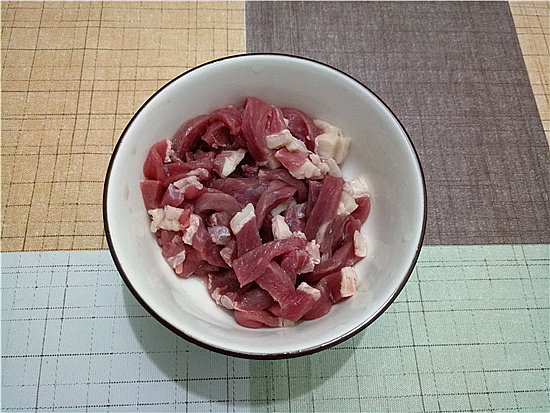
point(468, 333)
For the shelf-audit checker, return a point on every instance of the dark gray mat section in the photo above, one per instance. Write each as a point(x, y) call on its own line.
point(454, 75)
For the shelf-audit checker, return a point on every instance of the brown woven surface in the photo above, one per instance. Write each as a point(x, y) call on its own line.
point(73, 74)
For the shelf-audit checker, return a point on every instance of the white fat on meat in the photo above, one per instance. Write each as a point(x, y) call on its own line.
point(359, 244)
point(349, 282)
point(306, 171)
point(280, 228)
point(191, 180)
point(200, 173)
point(176, 260)
point(331, 143)
point(169, 152)
point(283, 207)
point(220, 234)
point(284, 139)
point(194, 222)
point(231, 160)
point(312, 249)
point(222, 300)
point(357, 187)
point(347, 204)
point(305, 287)
point(241, 218)
point(165, 218)
point(283, 322)
point(227, 252)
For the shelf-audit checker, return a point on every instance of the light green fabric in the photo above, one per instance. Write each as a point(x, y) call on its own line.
point(468, 333)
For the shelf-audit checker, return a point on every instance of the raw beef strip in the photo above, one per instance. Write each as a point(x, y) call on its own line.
point(243, 225)
point(298, 164)
point(153, 168)
point(325, 208)
point(254, 121)
point(217, 201)
point(224, 288)
point(245, 190)
point(277, 192)
point(253, 299)
point(277, 282)
point(363, 208)
point(302, 127)
point(296, 305)
point(189, 134)
point(217, 135)
point(342, 257)
point(152, 192)
point(205, 247)
point(175, 171)
point(230, 116)
point(256, 319)
point(295, 217)
point(283, 175)
point(226, 162)
point(251, 265)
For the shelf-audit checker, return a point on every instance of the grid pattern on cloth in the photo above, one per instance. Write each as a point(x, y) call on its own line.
point(454, 74)
point(532, 21)
point(468, 333)
point(73, 74)
point(75, 339)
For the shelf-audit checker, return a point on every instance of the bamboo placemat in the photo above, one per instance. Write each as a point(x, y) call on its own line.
point(532, 20)
point(73, 74)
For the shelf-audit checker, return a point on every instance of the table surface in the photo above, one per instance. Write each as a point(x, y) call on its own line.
point(470, 83)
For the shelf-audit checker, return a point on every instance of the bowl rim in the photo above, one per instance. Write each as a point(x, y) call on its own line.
point(246, 355)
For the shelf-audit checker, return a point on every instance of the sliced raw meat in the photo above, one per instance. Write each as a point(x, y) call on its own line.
point(230, 116)
point(277, 192)
point(245, 190)
point(283, 175)
point(277, 282)
point(245, 229)
point(189, 134)
point(302, 127)
point(254, 121)
point(217, 135)
point(342, 257)
point(256, 319)
point(152, 192)
point(217, 201)
point(363, 208)
point(254, 299)
point(251, 265)
point(325, 208)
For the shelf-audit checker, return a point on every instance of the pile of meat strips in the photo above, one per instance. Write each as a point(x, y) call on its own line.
point(252, 200)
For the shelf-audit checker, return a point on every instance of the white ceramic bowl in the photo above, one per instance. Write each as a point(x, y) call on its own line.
point(381, 151)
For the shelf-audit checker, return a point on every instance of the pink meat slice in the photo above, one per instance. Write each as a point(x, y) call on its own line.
point(291, 160)
point(275, 121)
point(248, 238)
point(244, 190)
point(322, 306)
point(342, 257)
point(314, 188)
point(254, 121)
point(282, 174)
point(217, 201)
point(205, 248)
point(230, 116)
point(153, 168)
point(326, 206)
point(302, 127)
point(175, 171)
point(294, 307)
point(295, 217)
point(217, 135)
point(256, 319)
point(189, 134)
point(252, 299)
point(219, 218)
point(293, 261)
point(276, 193)
point(224, 288)
point(253, 264)
point(152, 192)
point(363, 208)
point(277, 282)
point(333, 236)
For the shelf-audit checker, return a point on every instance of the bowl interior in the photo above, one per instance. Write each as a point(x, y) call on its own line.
point(380, 151)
